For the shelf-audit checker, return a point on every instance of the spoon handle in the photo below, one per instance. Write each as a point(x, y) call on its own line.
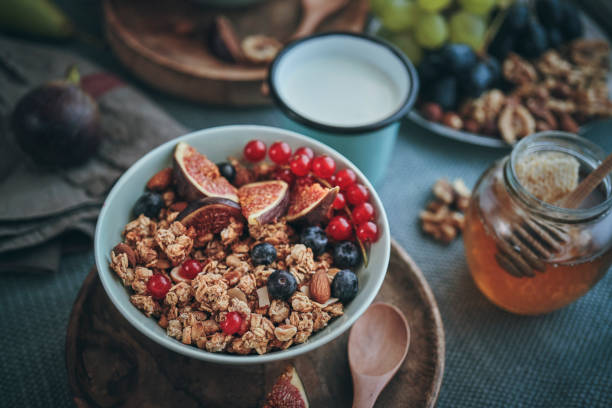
point(366, 390)
point(587, 185)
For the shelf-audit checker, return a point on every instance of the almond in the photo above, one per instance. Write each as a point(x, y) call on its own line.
point(161, 180)
point(320, 290)
point(122, 248)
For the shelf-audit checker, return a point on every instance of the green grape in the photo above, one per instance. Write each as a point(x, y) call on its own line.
point(398, 15)
point(433, 6)
point(431, 31)
point(378, 5)
point(408, 45)
point(467, 28)
point(480, 7)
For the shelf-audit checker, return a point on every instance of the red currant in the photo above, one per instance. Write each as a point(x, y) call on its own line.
point(305, 150)
point(357, 194)
point(280, 152)
point(339, 228)
point(255, 151)
point(364, 212)
point(332, 180)
point(300, 164)
point(367, 232)
point(285, 174)
point(339, 202)
point(158, 285)
point(345, 178)
point(323, 166)
point(232, 323)
point(190, 269)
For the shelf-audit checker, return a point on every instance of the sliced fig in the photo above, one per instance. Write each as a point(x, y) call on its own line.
point(288, 391)
point(311, 204)
point(210, 214)
point(197, 177)
point(264, 201)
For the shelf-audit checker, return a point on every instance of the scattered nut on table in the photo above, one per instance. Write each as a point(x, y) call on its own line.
point(443, 217)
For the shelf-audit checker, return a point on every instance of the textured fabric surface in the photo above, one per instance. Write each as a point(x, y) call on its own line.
point(493, 358)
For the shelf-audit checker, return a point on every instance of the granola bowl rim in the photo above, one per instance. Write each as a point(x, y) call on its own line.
point(233, 137)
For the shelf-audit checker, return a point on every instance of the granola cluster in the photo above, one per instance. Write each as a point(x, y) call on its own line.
point(192, 310)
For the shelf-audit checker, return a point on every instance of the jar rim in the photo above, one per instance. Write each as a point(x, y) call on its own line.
point(564, 142)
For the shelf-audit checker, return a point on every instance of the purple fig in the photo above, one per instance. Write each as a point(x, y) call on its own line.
point(209, 215)
point(58, 123)
point(265, 201)
point(197, 177)
point(311, 203)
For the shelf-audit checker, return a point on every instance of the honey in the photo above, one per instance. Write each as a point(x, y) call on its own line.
point(499, 202)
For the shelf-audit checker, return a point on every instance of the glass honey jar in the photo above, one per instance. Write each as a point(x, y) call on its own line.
point(527, 255)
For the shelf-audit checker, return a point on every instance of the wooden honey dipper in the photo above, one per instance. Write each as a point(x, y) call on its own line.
point(532, 242)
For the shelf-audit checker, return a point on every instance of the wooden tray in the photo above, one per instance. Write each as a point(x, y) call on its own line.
point(111, 364)
point(143, 35)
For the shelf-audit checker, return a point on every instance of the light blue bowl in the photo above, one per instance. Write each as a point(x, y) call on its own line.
point(219, 143)
point(369, 145)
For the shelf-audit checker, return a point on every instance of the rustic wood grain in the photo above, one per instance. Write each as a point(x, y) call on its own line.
point(111, 364)
point(143, 35)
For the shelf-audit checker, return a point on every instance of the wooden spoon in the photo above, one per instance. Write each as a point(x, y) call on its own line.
point(377, 346)
point(313, 13)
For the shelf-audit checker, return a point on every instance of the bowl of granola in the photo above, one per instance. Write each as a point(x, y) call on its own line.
point(270, 253)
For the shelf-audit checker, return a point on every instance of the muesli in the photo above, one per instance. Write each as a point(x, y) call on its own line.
point(246, 258)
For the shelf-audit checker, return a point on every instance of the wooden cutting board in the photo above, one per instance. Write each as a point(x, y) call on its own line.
point(149, 37)
point(110, 363)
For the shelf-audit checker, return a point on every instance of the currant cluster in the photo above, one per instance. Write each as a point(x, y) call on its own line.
point(353, 211)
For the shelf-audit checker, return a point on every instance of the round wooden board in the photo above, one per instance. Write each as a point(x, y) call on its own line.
point(143, 34)
point(111, 364)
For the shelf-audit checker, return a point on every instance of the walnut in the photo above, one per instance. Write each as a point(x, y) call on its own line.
point(542, 114)
point(440, 219)
point(515, 122)
point(484, 109)
point(590, 53)
point(518, 71)
point(551, 63)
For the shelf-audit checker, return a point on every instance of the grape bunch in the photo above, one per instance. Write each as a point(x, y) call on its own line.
point(416, 26)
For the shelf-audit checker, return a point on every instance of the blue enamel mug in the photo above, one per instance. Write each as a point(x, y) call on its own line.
point(348, 91)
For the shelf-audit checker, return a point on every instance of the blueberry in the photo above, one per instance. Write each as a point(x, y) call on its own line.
point(517, 17)
point(346, 255)
point(458, 57)
point(281, 285)
point(550, 12)
point(263, 254)
point(345, 285)
point(227, 170)
point(314, 238)
point(149, 204)
point(443, 92)
point(478, 80)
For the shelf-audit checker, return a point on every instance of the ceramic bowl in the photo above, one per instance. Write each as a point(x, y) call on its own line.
point(219, 143)
point(367, 144)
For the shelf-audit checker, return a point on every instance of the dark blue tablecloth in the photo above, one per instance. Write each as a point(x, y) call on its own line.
point(493, 358)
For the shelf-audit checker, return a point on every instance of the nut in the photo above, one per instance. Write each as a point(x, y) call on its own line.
point(432, 111)
point(515, 122)
point(260, 49)
point(320, 290)
point(161, 180)
point(518, 71)
point(452, 120)
point(443, 190)
point(122, 248)
point(438, 220)
point(471, 126)
point(237, 293)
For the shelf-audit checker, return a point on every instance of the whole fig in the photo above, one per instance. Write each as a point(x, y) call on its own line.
point(57, 123)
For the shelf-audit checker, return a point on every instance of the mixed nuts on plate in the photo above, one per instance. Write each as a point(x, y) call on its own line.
point(246, 256)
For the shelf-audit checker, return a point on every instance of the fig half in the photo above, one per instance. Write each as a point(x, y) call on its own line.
point(311, 204)
point(264, 202)
point(196, 176)
point(288, 391)
point(210, 214)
